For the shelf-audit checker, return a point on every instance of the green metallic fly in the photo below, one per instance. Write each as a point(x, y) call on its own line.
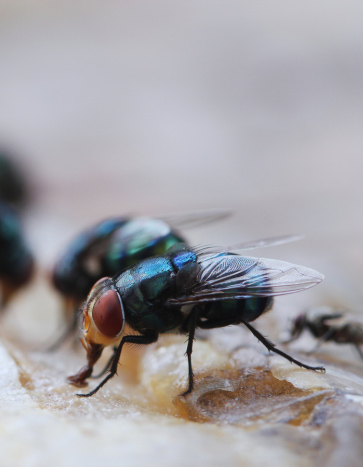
point(184, 289)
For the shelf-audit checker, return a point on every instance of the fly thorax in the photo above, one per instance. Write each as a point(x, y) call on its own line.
point(185, 264)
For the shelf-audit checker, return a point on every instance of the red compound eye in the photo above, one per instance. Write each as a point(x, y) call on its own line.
point(108, 315)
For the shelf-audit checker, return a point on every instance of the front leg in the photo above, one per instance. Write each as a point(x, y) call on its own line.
point(70, 328)
point(148, 337)
point(94, 352)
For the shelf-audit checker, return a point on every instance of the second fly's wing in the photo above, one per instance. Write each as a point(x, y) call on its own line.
point(185, 220)
point(226, 275)
point(143, 231)
point(265, 242)
point(94, 241)
point(140, 232)
point(255, 244)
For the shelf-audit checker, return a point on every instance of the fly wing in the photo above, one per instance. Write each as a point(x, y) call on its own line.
point(225, 275)
point(261, 243)
point(140, 232)
point(190, 219)
point(94, 241)
point(266, 242)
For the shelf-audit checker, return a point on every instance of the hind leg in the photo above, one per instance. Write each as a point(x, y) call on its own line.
point(269, 345)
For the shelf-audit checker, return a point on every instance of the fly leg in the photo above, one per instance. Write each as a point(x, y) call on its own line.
point(107, 366)
point(75, 312)
point(359, 350)
point(94, 352)
point(147, 338)
point(69, 330)
point(191, 324)
point(209, 324)
point(271, 347)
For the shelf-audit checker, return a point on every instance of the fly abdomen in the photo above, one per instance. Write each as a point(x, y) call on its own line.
point(255, 307)
point(349, 333)
point(247, 309)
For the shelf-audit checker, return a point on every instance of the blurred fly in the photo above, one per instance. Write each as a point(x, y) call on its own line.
point(16, 261)
point(14, 187)
point(329, 326)
point(179, 291)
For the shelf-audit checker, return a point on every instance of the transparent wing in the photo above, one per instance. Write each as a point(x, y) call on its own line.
point(225, 275)
point(140, 232)
point(95, 240)
point(192, 219)
point(265, 242)
point(262, 243)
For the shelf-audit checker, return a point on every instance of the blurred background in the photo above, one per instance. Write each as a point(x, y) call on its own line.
point(140, 107)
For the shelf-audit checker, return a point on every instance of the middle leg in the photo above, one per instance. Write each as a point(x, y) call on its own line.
point(190, 325)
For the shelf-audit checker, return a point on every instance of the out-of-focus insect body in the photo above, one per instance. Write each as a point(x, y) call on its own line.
point(329, 326)
point(179, 291)
point(73, 276)
point(16, 261)
point(103, 250)
point(108, 247)
point(138, 239)
point(13, 186)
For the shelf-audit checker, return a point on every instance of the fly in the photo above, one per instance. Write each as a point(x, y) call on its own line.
point(221, 287)
point(329, 326)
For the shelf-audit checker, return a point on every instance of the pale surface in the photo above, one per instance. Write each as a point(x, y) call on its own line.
point(155, 107)
point(253, 409)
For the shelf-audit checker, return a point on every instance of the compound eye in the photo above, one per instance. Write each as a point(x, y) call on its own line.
point(108, 314)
